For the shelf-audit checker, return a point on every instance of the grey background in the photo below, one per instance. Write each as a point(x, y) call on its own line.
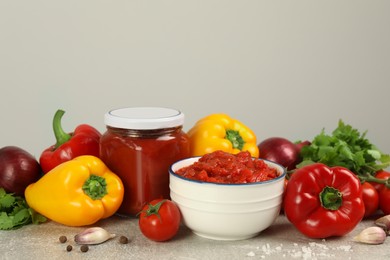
point(284, 68)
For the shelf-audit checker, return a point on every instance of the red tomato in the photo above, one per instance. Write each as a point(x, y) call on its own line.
point(370, 199)
point(384, 200)
point(380, 175)
point(160, 220)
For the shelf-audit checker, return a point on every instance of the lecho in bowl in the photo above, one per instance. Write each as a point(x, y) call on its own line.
point(231, 208)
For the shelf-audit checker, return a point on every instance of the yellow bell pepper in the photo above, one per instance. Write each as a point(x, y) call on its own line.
point(78, 192)
point(220, 132)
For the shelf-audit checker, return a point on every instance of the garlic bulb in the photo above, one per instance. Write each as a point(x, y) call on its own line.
point(94, 235)
point(371, 235)
point(384, 223)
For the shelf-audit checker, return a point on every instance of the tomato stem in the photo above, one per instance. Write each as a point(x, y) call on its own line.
point(369, 178)
point(154, 209)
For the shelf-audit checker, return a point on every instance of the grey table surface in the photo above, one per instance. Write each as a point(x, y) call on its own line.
point(280, 241)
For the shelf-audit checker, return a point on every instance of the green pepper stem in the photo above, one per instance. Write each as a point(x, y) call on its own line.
point(61, 136)
point(95, 187)
point(331, 198)
point(235, 138)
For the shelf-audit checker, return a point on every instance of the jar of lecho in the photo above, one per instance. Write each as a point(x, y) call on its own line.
point(139, 145)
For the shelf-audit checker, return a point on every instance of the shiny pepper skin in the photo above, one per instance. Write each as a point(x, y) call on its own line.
point(84, 140)
point(78, 192)
point(322, 201)
point(221, 132)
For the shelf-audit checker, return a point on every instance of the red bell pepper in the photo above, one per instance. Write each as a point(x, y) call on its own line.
point(83, 141)
point(322, 201)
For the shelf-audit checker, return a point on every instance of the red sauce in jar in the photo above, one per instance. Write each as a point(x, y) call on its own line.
point(142, 156)
point(223, 167)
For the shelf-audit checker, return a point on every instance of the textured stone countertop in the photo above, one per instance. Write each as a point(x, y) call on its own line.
point(280, 241)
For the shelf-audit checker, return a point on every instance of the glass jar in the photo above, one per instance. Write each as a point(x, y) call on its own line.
point(139, 145)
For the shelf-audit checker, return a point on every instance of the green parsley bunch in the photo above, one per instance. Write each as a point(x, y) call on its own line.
point(348, 148)
point(14, 212)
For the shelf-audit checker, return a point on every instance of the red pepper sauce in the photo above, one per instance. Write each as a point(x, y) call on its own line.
point(223, 167)
point(142, 164)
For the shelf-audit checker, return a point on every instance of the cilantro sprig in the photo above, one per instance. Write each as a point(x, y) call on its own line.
point(346, 147)
point(15, 212)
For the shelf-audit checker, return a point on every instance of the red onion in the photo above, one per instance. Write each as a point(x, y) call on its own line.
point(281, 151)
point(18, 169)
point(302, 144)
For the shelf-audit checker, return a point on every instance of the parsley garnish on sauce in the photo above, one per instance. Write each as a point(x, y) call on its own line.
point(345, 147)
point(14, 212)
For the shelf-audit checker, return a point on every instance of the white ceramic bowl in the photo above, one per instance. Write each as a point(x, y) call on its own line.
point(226, 211)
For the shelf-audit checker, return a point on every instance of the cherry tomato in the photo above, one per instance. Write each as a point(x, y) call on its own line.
point(380, 175)
point(370, 199)
point(384, 200)
point(160, 220)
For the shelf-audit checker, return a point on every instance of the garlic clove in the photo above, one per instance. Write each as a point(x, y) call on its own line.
point(92, 236)
point(371, 235)
point(384, 223)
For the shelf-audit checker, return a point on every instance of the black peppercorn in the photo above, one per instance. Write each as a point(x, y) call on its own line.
point(123, 240)
point(63, 239)
point(84, 248)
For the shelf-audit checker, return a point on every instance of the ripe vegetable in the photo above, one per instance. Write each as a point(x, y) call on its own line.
point(83, 141)
point(371, 235)
point(381, 183)
point(370, 199)
point(93, 236)
point(78, 192)
point(160, 220)
point(381, 175)
point(281, 151)
point(384, 223)
point(220, 132)
point(300, 145)
point(384, 200)
point(321, 201)
point(18, 169)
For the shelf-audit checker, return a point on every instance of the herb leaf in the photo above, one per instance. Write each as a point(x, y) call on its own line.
point(6, 222)
point(14, 212)
point(345, 147)
point(6, 201)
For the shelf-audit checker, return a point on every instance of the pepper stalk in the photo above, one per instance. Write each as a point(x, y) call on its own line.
point(61, 136)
